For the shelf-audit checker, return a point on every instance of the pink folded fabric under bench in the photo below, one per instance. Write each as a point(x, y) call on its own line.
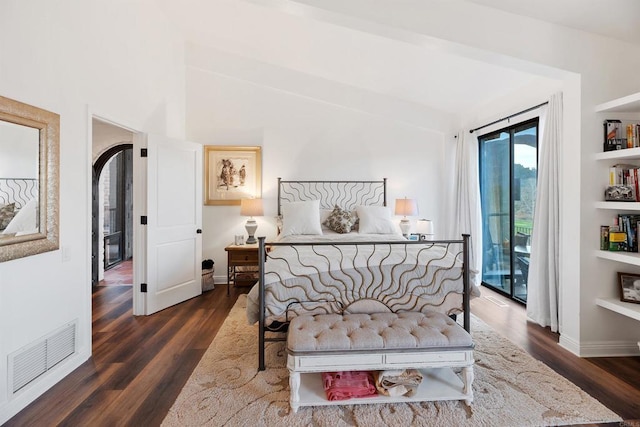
point(348, 384)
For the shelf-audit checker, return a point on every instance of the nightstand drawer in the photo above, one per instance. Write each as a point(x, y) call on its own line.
point(244, 257)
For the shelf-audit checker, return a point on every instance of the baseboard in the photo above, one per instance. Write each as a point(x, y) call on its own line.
point(569, 344)
point(609, 349)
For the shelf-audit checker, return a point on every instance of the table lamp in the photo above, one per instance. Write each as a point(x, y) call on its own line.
point(406, 207)
point(251, 208)
point(424, 227)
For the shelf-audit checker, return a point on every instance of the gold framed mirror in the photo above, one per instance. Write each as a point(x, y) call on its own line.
point(29, 179)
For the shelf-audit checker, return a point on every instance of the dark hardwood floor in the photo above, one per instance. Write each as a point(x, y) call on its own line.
point(614, 381)
point(140, 364)
point(119, 274)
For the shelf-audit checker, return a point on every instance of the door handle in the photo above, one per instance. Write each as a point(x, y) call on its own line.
point(198, 231)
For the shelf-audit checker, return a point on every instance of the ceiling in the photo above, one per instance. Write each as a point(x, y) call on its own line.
point(617, 19)
point(273, 35)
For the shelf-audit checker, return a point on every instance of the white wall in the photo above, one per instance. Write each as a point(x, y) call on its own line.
point(118, 59)
point(589, 68)
point(303, 138)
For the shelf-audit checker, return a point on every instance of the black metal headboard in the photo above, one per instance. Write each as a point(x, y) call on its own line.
point(18, 191)
point(346, 194)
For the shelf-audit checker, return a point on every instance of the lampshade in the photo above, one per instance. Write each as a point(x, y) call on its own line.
point(251, 207)
point(406, 207)
point(424, 226)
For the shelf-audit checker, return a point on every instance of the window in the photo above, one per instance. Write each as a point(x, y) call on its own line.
point(508, 181)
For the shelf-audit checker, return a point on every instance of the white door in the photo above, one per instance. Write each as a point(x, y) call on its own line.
point(174, 221)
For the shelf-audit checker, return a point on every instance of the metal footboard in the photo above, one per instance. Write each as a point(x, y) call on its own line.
point(394, 276)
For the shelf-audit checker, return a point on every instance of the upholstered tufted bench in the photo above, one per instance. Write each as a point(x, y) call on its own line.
point(431, 342)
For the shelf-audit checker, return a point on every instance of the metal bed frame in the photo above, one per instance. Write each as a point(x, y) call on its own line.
point(346, 194)
point(18, 190)
point(374, 285)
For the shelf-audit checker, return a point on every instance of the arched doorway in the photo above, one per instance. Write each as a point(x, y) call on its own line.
point(112, 209)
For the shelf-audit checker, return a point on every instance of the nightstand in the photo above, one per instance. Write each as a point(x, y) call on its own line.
point(242, 265)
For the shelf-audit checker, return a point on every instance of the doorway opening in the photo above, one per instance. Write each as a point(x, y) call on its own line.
point(508, 182)
point(112, 205)
point(167, 249)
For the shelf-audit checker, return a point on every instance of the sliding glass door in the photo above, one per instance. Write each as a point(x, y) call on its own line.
point(508, 180)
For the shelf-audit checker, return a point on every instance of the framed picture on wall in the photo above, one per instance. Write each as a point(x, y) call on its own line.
point(629, 287)
point(231, 174)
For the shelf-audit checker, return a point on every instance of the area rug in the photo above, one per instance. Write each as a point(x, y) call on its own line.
point(510, 389)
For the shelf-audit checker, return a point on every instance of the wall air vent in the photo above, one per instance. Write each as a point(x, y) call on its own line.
point(35, 359)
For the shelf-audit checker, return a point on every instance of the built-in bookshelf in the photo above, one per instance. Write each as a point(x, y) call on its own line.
point(631, 258)
point(626, 154)
point(625, 308)
point(619, 206)
point(627, 104)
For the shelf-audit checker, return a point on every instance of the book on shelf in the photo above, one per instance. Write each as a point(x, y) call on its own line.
point(623, 177)
point(619, 174)
point(632, 135)
point(630, 227)
point(613, 136)
point(619, 135)
point(617, 241)
point(623, 235)
point(604, 237)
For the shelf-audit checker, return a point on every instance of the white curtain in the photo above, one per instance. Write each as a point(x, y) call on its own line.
point(467, 215)
point(543, 281)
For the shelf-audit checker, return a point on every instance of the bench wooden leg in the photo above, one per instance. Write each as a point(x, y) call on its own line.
point(467, 379)
point(294, 385)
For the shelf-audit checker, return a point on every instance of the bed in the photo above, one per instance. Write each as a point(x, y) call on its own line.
point(18, 207)
point(359, 263)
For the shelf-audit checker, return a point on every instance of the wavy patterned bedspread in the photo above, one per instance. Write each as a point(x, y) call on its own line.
point(359, 274)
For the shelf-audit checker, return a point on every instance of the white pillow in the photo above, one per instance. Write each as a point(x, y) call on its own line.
point(375, 220)
point(301, 218)
point(25, 219)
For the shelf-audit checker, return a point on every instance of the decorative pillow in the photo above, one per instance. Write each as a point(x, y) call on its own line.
point(375, 220)
point(301, 218)
point(324, 215)
point(339, 220)
point(25, 220)
point(6, 214)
